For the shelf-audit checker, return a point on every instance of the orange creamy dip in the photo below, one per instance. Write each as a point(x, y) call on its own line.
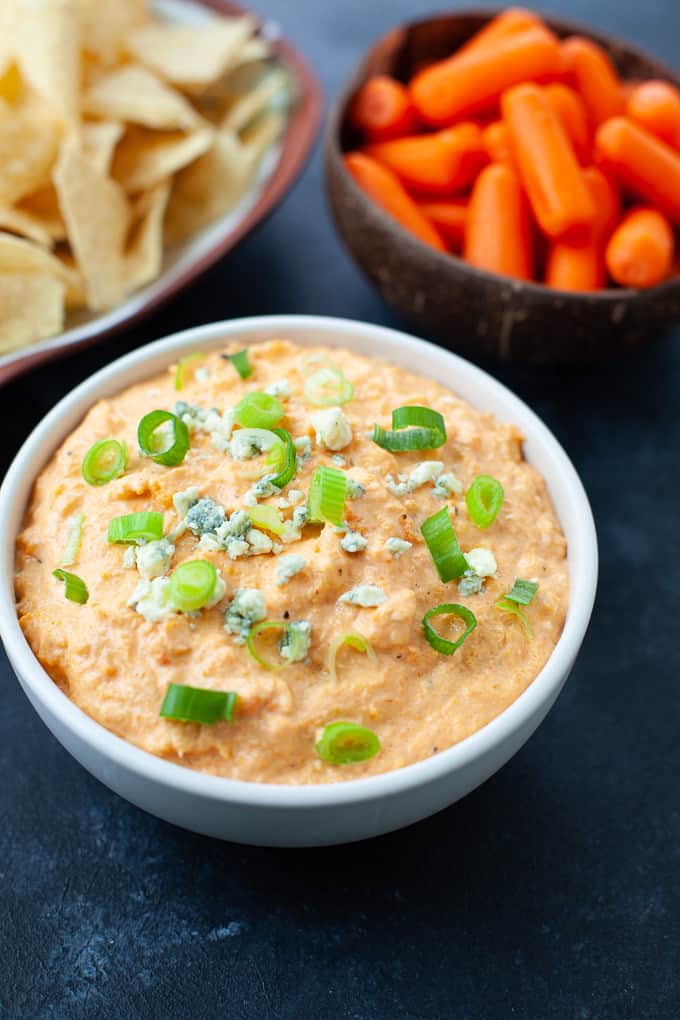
point(116, 664)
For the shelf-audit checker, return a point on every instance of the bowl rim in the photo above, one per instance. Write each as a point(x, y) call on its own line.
point(143, 362)
point(294, 149)
point(334, 150)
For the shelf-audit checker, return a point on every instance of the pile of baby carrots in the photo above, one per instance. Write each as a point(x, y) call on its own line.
point(528, 156)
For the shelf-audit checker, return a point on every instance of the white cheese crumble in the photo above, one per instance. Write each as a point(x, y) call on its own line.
point(366, 595)
point(202, 374)
point(397, 488)
point(448, 485)
point(353, 541)
point(332, 428)
point(303, 446)
point(482, 561)
point(248, 443)
point(397, 546)
point(426, 471)
point(148, 599)
point(153, 558)
point(354, 489)
point(246, 608)
point(183, 501)
point(280, 388)
point(259, 542)
point(288, 566)
point(338, 460)
point(295, 496)
point(129, 558)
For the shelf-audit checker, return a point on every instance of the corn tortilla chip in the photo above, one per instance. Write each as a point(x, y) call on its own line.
point(144, 255)
point(24, 257)
point(105, 23)
point(43, 206)
point(29, 142)
point(31, 309)
point(245, 108)
point(18, 221)
point(137, 96)
point(75, 297)
point(46, 38)
point(144, 158)
point(97, 217)
point(99, 141)
point(191, 57)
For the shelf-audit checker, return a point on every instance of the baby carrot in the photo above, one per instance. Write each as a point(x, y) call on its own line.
point(436, 164)
point(656, 106)
point(578, 263)
point(382, 109)
point(508, 22)
point(472, 82)
point(498, 234)
point(449, 218)
point(641, 163)
point(640, 251)
point(594, 76)
point(547, 165)
point(496, 141)
point(571, 110)
point(387, 192)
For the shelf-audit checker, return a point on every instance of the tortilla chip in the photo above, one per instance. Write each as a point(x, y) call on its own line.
point(46, 39)
point(137, 96)
point(97, 217)
point(144, 255)
point(43, 206)
point(105, 23)
point(24, 257)
point(192, 57)
point(75, 297)
point(31, 309)
point(11, 85)
point(99, 140)
point(274, 88)
point(18, 221)
point(144, 158)
point(29, 142)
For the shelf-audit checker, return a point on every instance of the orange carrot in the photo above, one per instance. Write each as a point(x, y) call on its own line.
point(571, 110)
point(436, 164)
point(498, 233)
point(640, 251)
point(508, 22)
point(594, 76)
point(473, 82)
point(641, 163)
point(578, 263)
point(497, 143)
point(449, 218)
point(382, 109)
point(656, 106)
point(547, 165)
point(387, 192)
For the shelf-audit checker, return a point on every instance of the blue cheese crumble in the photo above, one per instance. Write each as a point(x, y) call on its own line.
point(280, 388)
point(150, 599)
point(296, 640)
point(248, 443)
point(303, 447)
point(447, 485)
point(332, 428)
point(246, 608)
point(288, 566)
point(354, 489)
point(397, 546)
point(153, 558)
point(482, 561)
point(201, 419)
point(353, 541)
point(366, 595)
point(470, 583)
point(205, 516)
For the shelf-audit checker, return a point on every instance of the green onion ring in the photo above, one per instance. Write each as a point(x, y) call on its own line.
point(357, 641)
point(429, 432)
point(328, 387)
point(196, 704)
point(434, 639)
point(327, 491)
point(171, 455)
point(484, 499)
point(289, 466)
point(192, 585)
point(259, 410)
point(522, 594)
point(146, 526)
point(104, 461)
point(240, 362)
point(441, 540)
point(258, 628)
point(186, 368)
point(345, 743)
point(76, 589)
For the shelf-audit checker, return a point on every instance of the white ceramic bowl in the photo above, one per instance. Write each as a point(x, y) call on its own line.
point(276, 815)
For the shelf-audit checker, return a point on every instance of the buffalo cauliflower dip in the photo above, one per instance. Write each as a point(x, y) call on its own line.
point(291, 565)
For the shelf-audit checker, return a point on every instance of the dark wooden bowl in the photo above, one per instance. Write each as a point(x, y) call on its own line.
point(467, 309)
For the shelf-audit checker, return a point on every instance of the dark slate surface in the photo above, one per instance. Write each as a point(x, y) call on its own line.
point(551, 892)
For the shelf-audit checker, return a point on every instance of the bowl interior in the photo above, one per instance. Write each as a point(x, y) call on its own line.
point(541, 449)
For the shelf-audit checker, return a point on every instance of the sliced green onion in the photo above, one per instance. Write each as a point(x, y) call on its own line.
point(441, 540)
point(522, 594)
point(428, 433)
point(357, 641)
point(267, 517)
point(196, 704)
point(240, 362)
point(328, 387)
point(484, 499)
point(192, 585)
point(439, 643)
point(265, 625)
point(144, 526)
point(75, 537)
point(151, 445)
point(104, 461)
point(76, 589)
point(284, 458)
point(344, 743)
point(187, 368)
point(327, 491)
point(258, 411)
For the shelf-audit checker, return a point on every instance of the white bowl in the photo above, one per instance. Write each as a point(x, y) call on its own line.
point(277, 815)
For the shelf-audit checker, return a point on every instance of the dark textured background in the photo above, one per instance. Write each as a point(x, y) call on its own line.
point(551, 892)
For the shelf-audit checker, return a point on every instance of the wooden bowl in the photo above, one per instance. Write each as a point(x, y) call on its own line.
point(479, 313)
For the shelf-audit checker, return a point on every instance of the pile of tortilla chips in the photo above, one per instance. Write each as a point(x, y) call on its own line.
point(120, 134)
